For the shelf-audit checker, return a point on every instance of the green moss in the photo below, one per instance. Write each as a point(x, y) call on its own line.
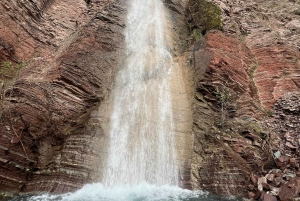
point(204, 16)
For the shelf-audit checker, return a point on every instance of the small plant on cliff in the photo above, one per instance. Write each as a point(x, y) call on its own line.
point(270, 112)
point(5, 67)
point(224, 96)
point(9, 70)
point(204, 16)
point(197, 34)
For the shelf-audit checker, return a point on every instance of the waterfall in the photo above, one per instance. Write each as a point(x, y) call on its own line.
point(142, 160)
point(146, 117)
point(142, 145)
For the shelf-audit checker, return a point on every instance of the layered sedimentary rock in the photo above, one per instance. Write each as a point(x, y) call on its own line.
point(54, 115)
point(226, 134)
point(239, 75)
point(242, 80)
point(73, 52)
point(270, 30)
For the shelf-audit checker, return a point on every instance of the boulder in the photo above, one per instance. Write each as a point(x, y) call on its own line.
point(261, 183)
point(277, 181)
point(270, 177)
point(290, 190)
point(283, 159)
point(267, 197)
point(251, 195)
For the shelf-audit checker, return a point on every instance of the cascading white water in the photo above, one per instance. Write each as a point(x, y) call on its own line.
point(141, 164)
point(142, 145)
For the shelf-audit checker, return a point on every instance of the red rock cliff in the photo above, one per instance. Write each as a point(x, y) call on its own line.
point(70, 54)
point(243, 77)
point(245, 84)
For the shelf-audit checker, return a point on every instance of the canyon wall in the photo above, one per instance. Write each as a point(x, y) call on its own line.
point(243, 81)
point(55, 110)
point(245, 142)
point(70, 54)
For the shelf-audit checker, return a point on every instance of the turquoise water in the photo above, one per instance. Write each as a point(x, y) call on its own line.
point(142, 192)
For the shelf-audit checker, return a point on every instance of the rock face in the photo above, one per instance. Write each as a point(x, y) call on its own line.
point(73, 52)
point(240, 75)
point(227, 144)
point(270, 30)
point(243, 83)
point(52, 137)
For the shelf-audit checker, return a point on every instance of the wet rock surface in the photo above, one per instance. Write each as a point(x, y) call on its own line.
point(44, 144)
point(245, 95)
point(52, 137)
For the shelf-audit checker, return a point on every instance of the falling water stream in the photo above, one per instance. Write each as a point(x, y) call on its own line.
point(141, 164)
point(141, 135)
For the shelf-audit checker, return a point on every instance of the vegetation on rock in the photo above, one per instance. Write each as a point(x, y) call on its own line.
point(203, 16)
point(9, 70)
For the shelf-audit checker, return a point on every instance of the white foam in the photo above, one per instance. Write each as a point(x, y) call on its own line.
point(141, 192)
